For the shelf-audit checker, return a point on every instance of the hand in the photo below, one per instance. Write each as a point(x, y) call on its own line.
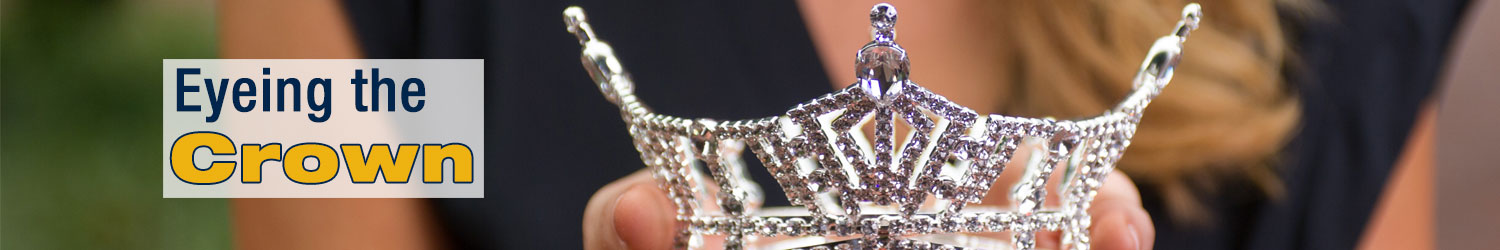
point(632, 213)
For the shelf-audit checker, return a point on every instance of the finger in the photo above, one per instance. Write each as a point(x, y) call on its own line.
point(630, 213)
point(1120, 223)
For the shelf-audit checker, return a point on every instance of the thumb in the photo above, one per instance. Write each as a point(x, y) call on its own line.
point(1119, 220)
point(630, 213)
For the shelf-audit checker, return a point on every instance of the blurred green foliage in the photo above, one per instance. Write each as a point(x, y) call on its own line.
point(81, 161)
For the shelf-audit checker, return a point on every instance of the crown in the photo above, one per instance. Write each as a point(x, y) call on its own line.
point(851, 193)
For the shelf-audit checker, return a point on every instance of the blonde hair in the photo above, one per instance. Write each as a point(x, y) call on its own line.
point(1227, 112)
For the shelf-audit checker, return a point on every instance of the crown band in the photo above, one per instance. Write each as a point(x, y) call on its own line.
point(855, 194)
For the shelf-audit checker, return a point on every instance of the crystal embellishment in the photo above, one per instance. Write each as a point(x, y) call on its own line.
point(854, 193)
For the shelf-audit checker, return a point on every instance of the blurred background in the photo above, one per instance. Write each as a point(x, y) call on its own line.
point(79, 103)
point(81, 115)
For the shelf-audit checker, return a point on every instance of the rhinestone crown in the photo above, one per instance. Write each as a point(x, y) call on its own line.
point(854, 194)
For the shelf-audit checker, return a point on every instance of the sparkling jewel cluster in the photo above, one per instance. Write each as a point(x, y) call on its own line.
point(857, 194)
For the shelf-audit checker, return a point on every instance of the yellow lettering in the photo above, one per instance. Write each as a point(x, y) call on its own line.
point(434, 155)
point(254, 157)
point(396, 170)
point(182, 158)
point(292, 164)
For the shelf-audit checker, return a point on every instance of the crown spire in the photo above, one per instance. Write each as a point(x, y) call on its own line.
point(881, 66)
point(883, 22)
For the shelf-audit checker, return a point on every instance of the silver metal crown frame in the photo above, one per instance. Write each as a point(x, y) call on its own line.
point(858, 195)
